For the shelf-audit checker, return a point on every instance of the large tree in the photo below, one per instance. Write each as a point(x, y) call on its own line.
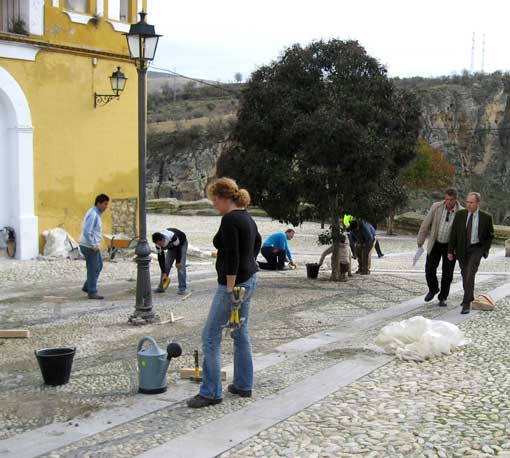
point(319, 131)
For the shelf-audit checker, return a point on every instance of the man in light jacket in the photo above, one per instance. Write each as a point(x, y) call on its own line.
point(90, 244)
point(437, 227)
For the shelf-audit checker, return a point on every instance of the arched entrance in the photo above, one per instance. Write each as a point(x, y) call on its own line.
point(17, 167)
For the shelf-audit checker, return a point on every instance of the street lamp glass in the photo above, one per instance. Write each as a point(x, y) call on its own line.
point(118, 81)
point(151, 43)
point(134, 45)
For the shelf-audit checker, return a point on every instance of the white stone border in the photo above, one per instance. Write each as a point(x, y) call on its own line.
point(119, 26)
point(78, 18)
point(21, 51)
point(20, 166)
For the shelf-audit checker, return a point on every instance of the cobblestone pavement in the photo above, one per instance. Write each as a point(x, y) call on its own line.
point(454, 406)
point(451, 406)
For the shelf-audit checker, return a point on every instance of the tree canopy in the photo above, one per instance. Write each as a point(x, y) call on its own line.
point(429, 170)
point(319, 130)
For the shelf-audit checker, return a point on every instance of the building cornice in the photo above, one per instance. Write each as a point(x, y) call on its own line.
point(78, 18)
point(44, 44)
point(20, 51)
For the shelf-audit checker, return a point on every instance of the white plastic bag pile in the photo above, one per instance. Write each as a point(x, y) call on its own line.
point(59, 244)
point(419, 338)
point(195, 251)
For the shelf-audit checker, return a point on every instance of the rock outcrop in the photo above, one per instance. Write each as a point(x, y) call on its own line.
point(468, 119)
point(181, 163)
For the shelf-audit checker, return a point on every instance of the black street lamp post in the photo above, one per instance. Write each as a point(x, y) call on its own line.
point(142, 41)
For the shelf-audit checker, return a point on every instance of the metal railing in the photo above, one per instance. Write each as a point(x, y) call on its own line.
point(11, 19)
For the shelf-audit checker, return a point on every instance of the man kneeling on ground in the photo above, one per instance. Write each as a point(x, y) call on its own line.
point(363, 237)
point(176, 245)
point(344, 257)
point(276, 250)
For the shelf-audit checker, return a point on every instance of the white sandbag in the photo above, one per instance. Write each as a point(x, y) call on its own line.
point(195, 251)
point(419, 338)
point(59, 244)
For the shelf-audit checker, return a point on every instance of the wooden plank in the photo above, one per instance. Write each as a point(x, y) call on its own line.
point(188, 372)
point(172, 319)
point(14, 333)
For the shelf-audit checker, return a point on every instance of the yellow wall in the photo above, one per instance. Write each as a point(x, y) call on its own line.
point(79, 151)
point(58, 29)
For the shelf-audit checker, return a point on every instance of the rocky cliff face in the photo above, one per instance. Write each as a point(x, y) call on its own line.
point(467, 118)
point(180, 164)
point(470, 124)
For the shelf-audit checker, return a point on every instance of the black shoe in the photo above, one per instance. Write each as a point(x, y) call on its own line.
point(442, 303)
point(430, 295)
point(85, 290)
point(242, 393)
point(380, 255)
point(198, 401)
point(465, 309)
point(96, 296)
point(159, 290)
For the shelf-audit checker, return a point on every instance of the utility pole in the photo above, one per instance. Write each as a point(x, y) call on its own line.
point(175, 85)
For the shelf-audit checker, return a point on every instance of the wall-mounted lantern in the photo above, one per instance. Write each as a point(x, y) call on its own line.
point(118, 82)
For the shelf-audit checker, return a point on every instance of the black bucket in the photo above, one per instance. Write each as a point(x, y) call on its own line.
point(55, 364)
point(312, 270)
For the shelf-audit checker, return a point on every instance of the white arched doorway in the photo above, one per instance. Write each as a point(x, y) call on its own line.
point(17, 167)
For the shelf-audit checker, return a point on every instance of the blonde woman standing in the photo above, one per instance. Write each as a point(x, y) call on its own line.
point(238, 243)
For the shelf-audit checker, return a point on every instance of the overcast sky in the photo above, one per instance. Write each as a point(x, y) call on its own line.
point(216, 39)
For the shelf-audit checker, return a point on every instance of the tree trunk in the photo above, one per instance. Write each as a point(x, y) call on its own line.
point(335, 256)
point(391, 220)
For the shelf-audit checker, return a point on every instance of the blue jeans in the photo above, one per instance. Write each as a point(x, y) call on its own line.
point(181, 273)
point(219, 314)
point(94, 262)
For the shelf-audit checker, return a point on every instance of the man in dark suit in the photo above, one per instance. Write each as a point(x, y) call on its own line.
point(470, 239)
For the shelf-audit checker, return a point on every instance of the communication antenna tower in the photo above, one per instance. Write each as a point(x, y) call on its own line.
point(483, 52)
point(472, 67)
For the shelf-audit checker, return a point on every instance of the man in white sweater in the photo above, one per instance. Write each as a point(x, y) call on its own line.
point(436, 227)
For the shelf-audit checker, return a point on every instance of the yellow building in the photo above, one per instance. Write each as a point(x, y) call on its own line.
point(57, 150)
